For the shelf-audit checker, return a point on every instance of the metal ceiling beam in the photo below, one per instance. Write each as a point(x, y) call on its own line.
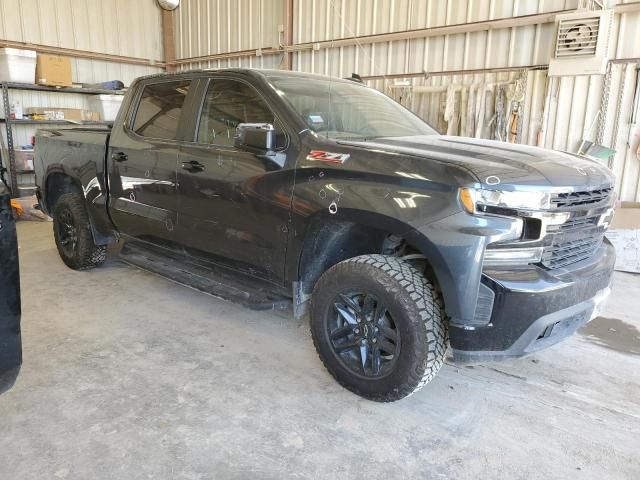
point(168, 40)
point(454, 72)
point(484, 25)
point(225, 56)
point(288, 32)
point(72, 52)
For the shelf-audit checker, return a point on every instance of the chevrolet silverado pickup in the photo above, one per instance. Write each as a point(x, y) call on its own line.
point(277, 189)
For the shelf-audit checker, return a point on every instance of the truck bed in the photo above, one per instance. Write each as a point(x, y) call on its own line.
point(77, 153)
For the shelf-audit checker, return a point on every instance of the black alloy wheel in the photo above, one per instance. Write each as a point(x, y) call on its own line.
point(363, 335)
point(67, 231)
point(379, 326)
point(72, 233)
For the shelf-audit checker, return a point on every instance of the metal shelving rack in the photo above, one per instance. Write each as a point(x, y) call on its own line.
point(11, 160)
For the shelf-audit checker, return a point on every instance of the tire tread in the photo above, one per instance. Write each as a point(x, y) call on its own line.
point(89, 255)
point(430, 308)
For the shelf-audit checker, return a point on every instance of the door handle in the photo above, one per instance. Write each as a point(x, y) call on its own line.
point(119, 157)
point(193, 165)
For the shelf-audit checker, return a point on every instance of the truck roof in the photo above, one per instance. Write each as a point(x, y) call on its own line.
point(249, 72)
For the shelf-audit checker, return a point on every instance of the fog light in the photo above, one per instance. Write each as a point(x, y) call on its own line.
point(512, 256)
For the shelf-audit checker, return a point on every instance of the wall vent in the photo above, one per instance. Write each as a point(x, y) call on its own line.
point(581, 43)
point(577, 37)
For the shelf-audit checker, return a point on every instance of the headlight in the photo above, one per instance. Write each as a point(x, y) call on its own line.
point(504, 203)
point(474, 199)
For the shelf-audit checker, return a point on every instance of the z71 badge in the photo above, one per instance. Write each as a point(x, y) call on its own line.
point(322, 156)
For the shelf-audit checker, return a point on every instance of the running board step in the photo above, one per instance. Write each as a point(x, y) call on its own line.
point(214, 280)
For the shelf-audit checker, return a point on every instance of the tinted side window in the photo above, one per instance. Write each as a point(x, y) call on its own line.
point(158, 114)
point(227, 104)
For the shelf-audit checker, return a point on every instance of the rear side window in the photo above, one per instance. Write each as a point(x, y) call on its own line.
point(227, 104)
point(158, 114)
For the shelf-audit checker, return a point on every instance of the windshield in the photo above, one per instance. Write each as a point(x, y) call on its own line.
point(355, 111)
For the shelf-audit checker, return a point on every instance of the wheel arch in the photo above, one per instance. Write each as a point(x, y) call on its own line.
point(58, 183)
point(330, 239)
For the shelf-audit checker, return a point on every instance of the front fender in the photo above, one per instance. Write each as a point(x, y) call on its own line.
point(455, 248)
point(427, 214)
point(407, 200)
point(325, 196)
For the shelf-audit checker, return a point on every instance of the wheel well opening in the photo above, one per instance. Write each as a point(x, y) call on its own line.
point(329, 244)
point(57, 185)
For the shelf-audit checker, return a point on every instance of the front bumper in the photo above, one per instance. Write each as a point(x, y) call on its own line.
point(534, 308)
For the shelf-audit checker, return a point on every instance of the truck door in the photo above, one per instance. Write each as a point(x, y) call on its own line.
point(233, 205)
point(142, 160)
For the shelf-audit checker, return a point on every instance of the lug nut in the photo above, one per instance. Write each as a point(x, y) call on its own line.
point(375, 340)
point(357, 330)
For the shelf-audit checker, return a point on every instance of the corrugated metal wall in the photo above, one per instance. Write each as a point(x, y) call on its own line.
point(557, 112)
point(499, 48)
point(205, 27)
point(119, 27)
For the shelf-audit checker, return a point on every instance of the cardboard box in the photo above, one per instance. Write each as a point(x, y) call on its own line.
point(73, 114)
point(53, 70)
point(624, 234)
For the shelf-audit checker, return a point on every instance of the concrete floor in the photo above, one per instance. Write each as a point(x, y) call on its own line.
point(129, 376)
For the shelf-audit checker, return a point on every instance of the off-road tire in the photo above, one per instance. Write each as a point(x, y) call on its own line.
point(418, 313)
point(86, 253)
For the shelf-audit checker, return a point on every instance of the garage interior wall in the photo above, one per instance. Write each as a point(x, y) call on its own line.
point(341, 37)
point(117, 27)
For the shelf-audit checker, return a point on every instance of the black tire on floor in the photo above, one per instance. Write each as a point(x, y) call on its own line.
point(72, 233)
point(414, 319)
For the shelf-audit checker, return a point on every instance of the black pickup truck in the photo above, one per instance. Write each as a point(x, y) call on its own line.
point(278, 189)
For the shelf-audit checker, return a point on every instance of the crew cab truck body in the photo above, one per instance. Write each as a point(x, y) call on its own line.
point(272, 187)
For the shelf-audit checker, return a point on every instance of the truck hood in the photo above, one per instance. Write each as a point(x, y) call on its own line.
point(495, 163)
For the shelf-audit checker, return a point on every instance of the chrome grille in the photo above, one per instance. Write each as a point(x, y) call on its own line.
point(580, 236)
point(566, 253)
point(578, 223)
point(574, 199)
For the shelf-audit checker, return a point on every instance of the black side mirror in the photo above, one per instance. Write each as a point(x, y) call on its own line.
point(260, 136)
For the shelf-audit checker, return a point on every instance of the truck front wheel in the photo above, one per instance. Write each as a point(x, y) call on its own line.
point(378, 327)
point(72, 233)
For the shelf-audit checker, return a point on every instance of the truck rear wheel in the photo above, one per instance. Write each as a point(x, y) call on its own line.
point(72, 233)
point(378, 327)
